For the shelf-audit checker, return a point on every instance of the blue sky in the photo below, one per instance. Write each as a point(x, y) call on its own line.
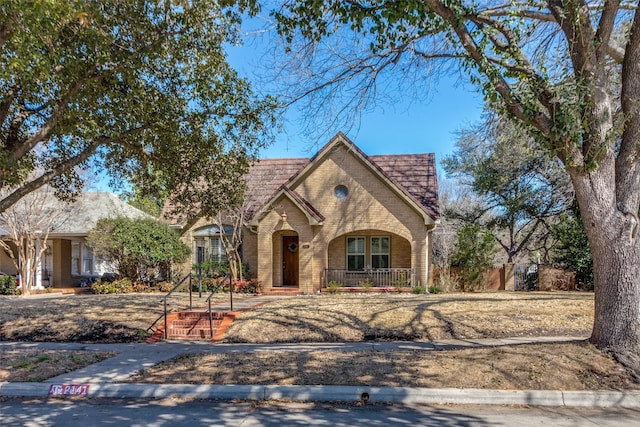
point(410, 126)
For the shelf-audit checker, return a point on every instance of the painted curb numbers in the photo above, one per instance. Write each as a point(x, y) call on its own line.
point(69, 390)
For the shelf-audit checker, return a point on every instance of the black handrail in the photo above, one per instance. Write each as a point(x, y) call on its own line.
point(164, 300)
point(228, 276)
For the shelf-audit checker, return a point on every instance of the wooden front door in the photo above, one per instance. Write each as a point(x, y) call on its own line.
point(290, 261)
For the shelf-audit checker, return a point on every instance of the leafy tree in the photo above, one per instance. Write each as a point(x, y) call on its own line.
point(571, 249)
point(139, 248)
point(567, 70)
point(519, 187)
point(473, 255)
point(139, 89)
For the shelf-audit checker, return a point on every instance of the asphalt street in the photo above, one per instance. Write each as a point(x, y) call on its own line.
point(191, 413)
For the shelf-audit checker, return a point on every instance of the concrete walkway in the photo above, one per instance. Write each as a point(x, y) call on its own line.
point(105, 378)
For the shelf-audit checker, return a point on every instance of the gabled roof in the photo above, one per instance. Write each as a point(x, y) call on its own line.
point(413, 176)
point(312, 214)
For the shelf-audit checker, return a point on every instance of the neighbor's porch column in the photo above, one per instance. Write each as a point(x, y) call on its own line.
point(37, 283)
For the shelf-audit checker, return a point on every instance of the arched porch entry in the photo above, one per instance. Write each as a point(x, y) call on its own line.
point(374, 258)
point(286, 262)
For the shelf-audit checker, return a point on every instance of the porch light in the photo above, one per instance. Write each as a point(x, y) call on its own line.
point(284, 216)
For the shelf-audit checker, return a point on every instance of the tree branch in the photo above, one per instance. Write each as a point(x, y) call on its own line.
point(49, 175)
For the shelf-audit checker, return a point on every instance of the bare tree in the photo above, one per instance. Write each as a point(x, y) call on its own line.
point(234, 220)
point(24, 232)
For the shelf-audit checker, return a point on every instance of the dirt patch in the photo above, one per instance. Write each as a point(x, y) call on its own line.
point(39, 365)
point(570, 366)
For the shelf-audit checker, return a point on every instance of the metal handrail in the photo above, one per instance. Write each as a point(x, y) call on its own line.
point(166, 297)
point(228, 276)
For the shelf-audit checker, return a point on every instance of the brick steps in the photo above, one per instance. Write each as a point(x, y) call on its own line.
point(194, 325)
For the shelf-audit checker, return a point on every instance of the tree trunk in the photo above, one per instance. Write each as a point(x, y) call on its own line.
point(614, 238)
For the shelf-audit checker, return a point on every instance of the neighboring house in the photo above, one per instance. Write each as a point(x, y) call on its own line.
point(340, 215)
point(68, 260)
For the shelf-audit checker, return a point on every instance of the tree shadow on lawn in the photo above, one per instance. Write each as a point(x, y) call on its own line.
point(372, 318)
point(77, 329)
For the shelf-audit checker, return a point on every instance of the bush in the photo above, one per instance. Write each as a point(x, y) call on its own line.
point(447, 281)
point(419, 290)
point(140, 287)
point(216, 269)
point(366, 285)
point(121, 286)
point(435, 290)
point(163, 286)
point(142, 248)
point(210, 284)
point(333, 287)
point(400, 283)
point(8, 286)
point(474, 254)
point(253, 286)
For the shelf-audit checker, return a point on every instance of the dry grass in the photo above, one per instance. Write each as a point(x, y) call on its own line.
point(331, 318)
point(85, 318)
point(39, 365)
point(334, 318)
point(571, 366)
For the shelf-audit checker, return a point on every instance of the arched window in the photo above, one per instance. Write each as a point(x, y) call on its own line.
point(208, 244)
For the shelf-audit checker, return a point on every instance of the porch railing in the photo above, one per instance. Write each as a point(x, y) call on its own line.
point(387, 277)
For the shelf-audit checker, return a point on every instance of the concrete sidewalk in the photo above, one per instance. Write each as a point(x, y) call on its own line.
point(105, 378)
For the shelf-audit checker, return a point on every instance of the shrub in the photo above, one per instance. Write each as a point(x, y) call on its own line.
point(121, 286)
point(400, 283)
point(252, 286)
point(447, 281)
point(474, 254)
point(435, 289)
point(140, 247)
point(8, 286)
point(103, 287)
point(210, 284)
point(333, 287)
point(163, 286)
point(366, 285)
point(419, 290)
point(140, 287)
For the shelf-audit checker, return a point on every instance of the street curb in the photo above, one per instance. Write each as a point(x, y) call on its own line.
point(622, 399)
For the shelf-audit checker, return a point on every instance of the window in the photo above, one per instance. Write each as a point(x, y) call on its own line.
point(201, 251)
point(87, 260)
point(218, 253)
point(75, 258)
point(82, 263)
point(355, 253)
point(380, 252)
point(341, 192)
point(208, 244)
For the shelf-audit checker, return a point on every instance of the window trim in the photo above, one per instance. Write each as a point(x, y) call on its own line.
point(359, 254)
point(387, 254)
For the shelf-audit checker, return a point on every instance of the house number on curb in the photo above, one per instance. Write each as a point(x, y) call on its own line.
point(69, 390)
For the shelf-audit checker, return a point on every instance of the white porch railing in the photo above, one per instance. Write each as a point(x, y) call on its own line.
point(387, 277)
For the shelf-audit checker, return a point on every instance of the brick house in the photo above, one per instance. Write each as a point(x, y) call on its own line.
point(340, 215)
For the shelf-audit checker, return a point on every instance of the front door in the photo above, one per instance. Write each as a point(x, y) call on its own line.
point(290, 261)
